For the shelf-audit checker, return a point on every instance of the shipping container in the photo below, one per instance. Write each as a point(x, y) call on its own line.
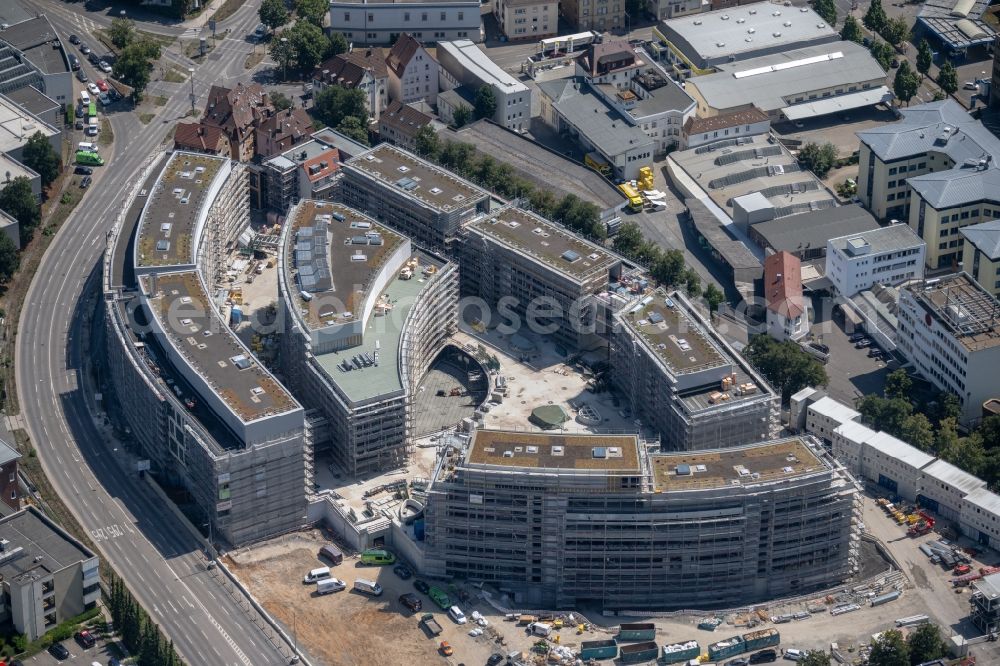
point(727, 648)
point(680, 652)
point(599, 649)
point(885, 598)
point(636, 653)
point(755, 640)
point(645, 631)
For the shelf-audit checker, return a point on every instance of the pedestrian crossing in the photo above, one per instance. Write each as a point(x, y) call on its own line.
point(86, 24)
point(191, 33)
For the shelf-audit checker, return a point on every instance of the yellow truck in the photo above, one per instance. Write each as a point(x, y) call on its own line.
point(634, 200)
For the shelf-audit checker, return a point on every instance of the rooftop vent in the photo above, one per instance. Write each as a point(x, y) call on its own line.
point(599, 452)
point(697, 22)
point(776, 34)
point(787, 24)
point(776, 12)
point(725, 17)
point(570, 256)
point(435, 190)
point(683, 470)
point(558, 450)
point(240, 361)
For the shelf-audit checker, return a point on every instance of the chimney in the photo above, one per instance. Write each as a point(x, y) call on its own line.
point(201, 130)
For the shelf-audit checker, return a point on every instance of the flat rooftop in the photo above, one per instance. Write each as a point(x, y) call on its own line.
point(32, 100)
point(969, 311)
point(37, 39)
point(173, 207)
point(36, 546)
point(673, 335)
point(814, 228)
point(892, 238)
point(431, 185)
point(324, 257)
point(17, 125)
point(554, 246)
point(562, 451)
point(196, 332)
point(748, 465)
point(479, 65)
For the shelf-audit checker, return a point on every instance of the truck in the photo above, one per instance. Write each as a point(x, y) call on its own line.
point(755, 640)
point(681, 652)
point(599, 649)
point(634, 200)
point(636, 632)
point(724, 649)
point(440, 597)
point(637, 653)
point(427, 619)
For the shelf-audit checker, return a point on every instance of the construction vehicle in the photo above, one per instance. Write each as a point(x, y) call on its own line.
point(919, 529)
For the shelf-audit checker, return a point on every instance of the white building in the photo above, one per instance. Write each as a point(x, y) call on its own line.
point(468, 65)
point(373, 23)
point(413, 72)
point(787, 310)
point(825, 415)
point(949, 328)
point(700, 131)
point(888, 255)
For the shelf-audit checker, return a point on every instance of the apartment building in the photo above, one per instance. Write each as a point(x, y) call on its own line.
point(48, 576)
point(888, 255)
point(365, 314)
point(361, 69)
point(702, 131)
point(466, 64)
point(414, 74)
point(981, 254)
point(534, 266)
point(238, 111)
point(680, 377)
point(787, 311)
point(598, 15)
point(382, 22)
point(527, 19)
point(210, 419)
point(949, 328)
point(565, 520)
point(428, 204)
point(401, 123)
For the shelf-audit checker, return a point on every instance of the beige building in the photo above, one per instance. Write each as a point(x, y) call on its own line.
point(600, 15)
point(527, 19)
point(981, 254)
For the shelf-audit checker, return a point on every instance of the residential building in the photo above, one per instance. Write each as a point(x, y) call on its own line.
point(468, 65)
point(10, 485)
point(360, 69)
point(238, 111)
point(794, 84)
point(207, 415)
point(949, 328)
point(201, 138)
point(282, 130)
point(365, 314)
point(787, 311)
point(527, 19)
point(307, 171)
point(681, 378)
point(981, 254)
point(888, 255)
point(542, 516)
point(413, 72)
point(382, 22)
point(668, 9)
point(34, 55)
point(701, 131)
point(806, 234)
point(421, 200)
point(449, 101)
point(538, 270)
point(599, 15)
point(48, 576)
point(400, 123)
point(698, 43)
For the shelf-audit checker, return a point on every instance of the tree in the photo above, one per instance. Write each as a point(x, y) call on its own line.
point(883, 53)
point(272, 13)
point(692, 281)
point(135, 64)
point(917, 431)
point(889, 649)
point(9, 261)
point(283, 53)
point(947, 78)
point(925, 57)
point(888, 414)
point(714, 296)
point(486, 102)
point(338, 44)
point(334, 103)
point(39, 155)
point(851, 31)
point(875, 17)
point(18, 201)
point(668, 268)
point(427, 143)
point(827, 10)
point(818, 159)
point(896, 30)
point(925, 644)
point(542, 201)
point(308, 44)
point(785, 365)
point(353, 127)
point(461, 116)
point(906, 83)
point(313, 11)
point(628, 239)
point(815, 658)
point(898, 384)
point(280, 100)
point(989, 430)
point(946, 405)
point(122, 32)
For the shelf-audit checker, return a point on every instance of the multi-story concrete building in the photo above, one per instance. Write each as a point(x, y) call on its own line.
point(981, 254)
point(606, 520)
point(466, 64)
point(365, 314)
point(414, 74)
point(33, 55)
point(949, 328)
point(382, 22)
point(17, 125)
point(538, 270)
point(423, 201)
point(208, 416)
point(48, 576)
point(787, 311)
point(599, 15)
point(680, 377)
point(527, 19)
point(889, 255)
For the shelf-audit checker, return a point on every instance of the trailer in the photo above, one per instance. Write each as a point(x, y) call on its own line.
point(599, 649)
point(681, 652)
point(724, 649)
point(755, 640)
point(636, 653)
point(427, 619)
point(912, 620)
point(884, 598)
point(645, 631)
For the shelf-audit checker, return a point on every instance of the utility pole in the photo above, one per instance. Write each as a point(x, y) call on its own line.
point(284, 58)
point(193, 98)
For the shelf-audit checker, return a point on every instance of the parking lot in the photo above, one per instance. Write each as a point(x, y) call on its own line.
point(851, 372)
point(101, 654)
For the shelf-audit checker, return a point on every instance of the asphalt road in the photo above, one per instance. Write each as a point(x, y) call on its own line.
point(162, 564)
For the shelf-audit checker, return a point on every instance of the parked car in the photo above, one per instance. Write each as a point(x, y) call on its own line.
point(104, 99)
point(862, 343)
point(970, 85)
point(446, 649)
point(739, 661)
point(85, 638)
point(84, 49)
point(91, 130)
point(494, 659)
point(102, 85)
point(764, 656)
point(104, 66)
point(74, 62)
point(402, 571)
point(80, 111)
point(856, 336)
point(79, 124)
point(94, 58)
point(422, 586)
point(316, 574)
point(83, 171)
point(81, 76)
point(260, 31)
point(792, 654)
point(93, 89)
point(73, 39)
point(895, 63)
point(411, 601)
point(58, 651)
point(85, 182)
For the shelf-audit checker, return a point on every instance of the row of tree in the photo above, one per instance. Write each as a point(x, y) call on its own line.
point(893, 30)
point(922, 645)
point(134, 64)
point(139, 634)
point(785, 365)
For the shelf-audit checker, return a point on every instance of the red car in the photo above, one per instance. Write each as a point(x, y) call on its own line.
point(102, 85)
point(85, 639)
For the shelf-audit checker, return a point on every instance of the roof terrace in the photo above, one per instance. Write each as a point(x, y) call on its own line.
point(173, 208)
point(968, 310)
point(562, 451)
point(558, 248)
point(748, 465)
point(196, 332)
point(673, 335)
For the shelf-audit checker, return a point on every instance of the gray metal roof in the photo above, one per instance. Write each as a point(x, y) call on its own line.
point(985, 236)
point(599, 123)
point(7, 453)
point(921, 130)
point(884, 239)
point(951, 27)
point(959, 186)
point(848, 64)
point(815, 228)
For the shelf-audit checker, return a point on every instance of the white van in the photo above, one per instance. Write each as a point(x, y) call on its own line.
point(84, 97)
point(791, 654)
point(317, 575)
point(87, 146)
point(456, 614)
point(330, 585)
point(368, 587)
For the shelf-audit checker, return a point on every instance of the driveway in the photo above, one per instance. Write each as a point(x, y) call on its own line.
point(852, 374)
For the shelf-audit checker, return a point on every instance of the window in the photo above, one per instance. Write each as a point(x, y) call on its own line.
point(892, 183)
point(347, 17)
point(423, 17)
point(892, 171)
point(371, 17)
point(461, 16)
point(444, 16)
point(406, 16)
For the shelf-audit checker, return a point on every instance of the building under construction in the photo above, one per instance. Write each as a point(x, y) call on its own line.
point(569, 520)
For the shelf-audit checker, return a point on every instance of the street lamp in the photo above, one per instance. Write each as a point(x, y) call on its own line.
point(284, 58)
point(191, 76)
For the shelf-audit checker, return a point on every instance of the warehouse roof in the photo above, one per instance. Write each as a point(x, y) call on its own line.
point(952, 476)
point(562, 451)
point(985, 237)
point(838, 103)
point(743, 466)
point(899, 450)
point(985, 500)
point(854, 431)
point(834, 409)
point(38, 41)
point(813, 229)
point(883, 239)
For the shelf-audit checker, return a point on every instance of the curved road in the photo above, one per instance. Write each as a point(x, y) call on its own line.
point(162, 564)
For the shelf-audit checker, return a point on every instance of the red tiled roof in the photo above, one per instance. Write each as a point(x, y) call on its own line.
point(401, 52)
point(783, 284)
point(236, 109)
point(283, 130)
point(749, 116)
point(198, 136)
point(404, 117)
point(331, 158)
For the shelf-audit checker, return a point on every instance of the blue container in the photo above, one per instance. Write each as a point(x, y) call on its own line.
point(418, 529)
point(236, 315)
